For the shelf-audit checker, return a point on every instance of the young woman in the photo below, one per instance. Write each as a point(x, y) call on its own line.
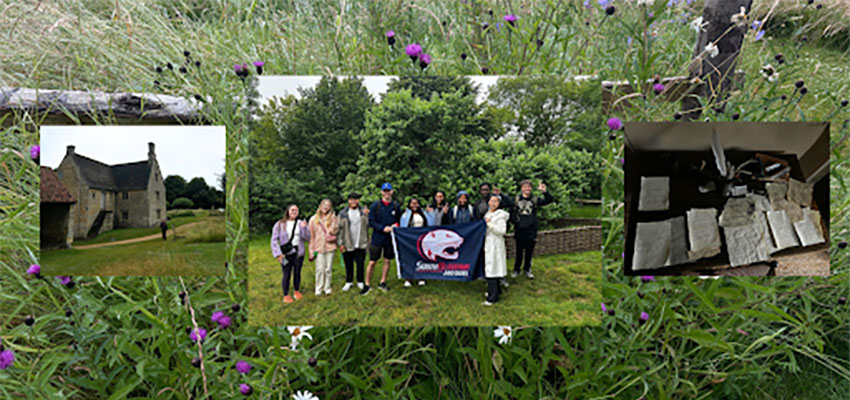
point(415, 217)
point(323, 229)
point(439, 209)
point(495, 263)
point(291, 233)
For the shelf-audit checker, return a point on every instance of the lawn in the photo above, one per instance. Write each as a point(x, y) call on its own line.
point(196, 252)
point(565, 292)
point(130, 233)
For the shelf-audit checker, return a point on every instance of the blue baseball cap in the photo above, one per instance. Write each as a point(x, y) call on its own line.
point(386, 186)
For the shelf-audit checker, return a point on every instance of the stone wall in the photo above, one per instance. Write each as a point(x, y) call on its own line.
point(54, 230)
point(560, 241)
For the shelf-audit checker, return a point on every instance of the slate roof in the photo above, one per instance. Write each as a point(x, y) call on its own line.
point(119, 177)
point(52, 189)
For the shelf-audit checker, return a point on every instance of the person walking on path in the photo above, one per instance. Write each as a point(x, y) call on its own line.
point(323, 229)
point(288, 237)
point(164, 227)
point(354, 239)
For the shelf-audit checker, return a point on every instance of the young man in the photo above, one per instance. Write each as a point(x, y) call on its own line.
point(524, 216)
point(486, 191)
point(384, 215)
point(164, 227)
point(354, 239)
point(463, 212)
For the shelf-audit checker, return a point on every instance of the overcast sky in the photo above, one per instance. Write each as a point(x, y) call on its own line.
point(280, 86)
point(188, 151)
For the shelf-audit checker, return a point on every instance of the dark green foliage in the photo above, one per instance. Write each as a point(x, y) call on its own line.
point(549, 110)
point(424, 87)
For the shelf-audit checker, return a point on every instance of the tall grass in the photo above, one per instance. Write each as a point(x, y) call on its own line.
point(126, 337)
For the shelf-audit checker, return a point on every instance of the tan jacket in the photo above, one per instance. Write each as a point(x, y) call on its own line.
point(344, 237)
point(318, 240)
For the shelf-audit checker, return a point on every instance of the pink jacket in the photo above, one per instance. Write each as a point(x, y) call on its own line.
point(318, 239)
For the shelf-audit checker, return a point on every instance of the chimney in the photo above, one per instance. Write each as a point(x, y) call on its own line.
point(151, 154)
point(70, 151)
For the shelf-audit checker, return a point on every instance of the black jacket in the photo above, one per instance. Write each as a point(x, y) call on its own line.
point(524, 212)
point(481, 207)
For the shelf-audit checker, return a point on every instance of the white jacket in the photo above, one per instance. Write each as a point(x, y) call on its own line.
point(495, 262)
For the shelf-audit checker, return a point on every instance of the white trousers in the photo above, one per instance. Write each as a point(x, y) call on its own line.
point(324, 262)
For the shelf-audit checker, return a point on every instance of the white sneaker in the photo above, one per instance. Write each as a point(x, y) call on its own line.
point(407, 284)
point(346, 286)
point(327, 291)
point(318, 293)
point(514, 274)
point(529, 275)
point(360, 285)
point(421, 283)
point(486, 303)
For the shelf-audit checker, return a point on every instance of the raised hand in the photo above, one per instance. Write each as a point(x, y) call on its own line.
point(541, 187)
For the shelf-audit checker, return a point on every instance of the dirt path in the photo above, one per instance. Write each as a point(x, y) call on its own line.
point(134, 240)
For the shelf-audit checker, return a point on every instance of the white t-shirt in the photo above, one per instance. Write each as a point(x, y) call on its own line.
point(296, 239)
point(354, 225)
point(416, 220)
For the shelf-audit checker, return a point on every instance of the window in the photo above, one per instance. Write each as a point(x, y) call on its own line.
point(157, 214)
point(157, 194)
point(125, 195)
point(92, 195)
point(124, 215)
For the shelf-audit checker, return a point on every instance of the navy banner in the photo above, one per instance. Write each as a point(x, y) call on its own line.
point(448, 252)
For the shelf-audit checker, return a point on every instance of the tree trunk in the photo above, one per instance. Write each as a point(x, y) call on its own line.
point(712, 76)
point(122, 108)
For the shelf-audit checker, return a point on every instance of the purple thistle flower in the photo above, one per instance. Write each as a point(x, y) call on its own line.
point(587, 4)
point(647, 278)
point(622, 161)
point(245, 389)
point(34, 269)
point(658, 88)
point(224, 322)
point(615, 124)
point(759, 35)
point(259, 65)
point(216, 316)
point(424, 60)
point(628, 40)
point(756, 24)
point(35, 151)
point(237, 68)
point(65, 280)
point(243, 367)
point(603, 3)
point(644, 317)
point(604, 309)
point(390, 37)
point(7, 358)
point(413, 51)
point(198, 335)
point(510, 19)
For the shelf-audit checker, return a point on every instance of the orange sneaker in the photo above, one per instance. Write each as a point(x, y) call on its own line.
point(287, 299)
point(297, 295)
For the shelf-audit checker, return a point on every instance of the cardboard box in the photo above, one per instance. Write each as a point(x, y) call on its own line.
point(672, 148)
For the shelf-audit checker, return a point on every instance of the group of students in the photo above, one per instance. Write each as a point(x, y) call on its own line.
point(348, 231)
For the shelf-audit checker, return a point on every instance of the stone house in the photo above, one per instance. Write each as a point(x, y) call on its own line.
point(57, 206)
point(130, 195)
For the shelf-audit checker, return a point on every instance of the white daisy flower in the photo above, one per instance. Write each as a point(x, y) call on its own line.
point(298, 333)
point(769, 73)
point(699, 24)
point(503, 333)
point(740, 18)
point(712, 50)
point(304, 395)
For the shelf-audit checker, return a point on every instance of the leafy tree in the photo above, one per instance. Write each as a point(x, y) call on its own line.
point(175, 186)
point(549, 110)
point(323, 126)
point(424, 87)
point(416, 143)
point(182, 202)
